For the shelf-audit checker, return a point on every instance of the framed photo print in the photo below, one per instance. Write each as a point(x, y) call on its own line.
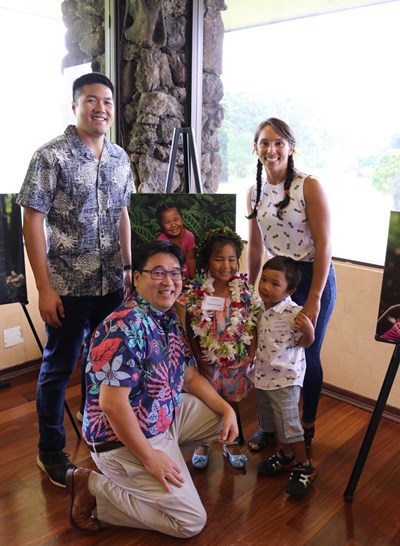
point(388, 324)
point(180, 218)
point(12, 264)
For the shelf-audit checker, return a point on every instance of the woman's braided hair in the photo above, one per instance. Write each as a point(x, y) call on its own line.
point(286, 133)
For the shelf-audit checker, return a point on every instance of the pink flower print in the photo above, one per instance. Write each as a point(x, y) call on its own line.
point(162, 421)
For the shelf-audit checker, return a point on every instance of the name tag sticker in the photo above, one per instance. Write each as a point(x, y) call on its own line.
point(280, 326)
point(213, 303)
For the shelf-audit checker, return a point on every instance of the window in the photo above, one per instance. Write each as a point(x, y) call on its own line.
point(32, 46)
point(333, 78)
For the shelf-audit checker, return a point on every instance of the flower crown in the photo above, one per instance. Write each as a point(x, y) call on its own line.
point(216, 233)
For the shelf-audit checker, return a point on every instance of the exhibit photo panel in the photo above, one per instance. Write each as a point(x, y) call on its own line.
point(388, 323)
point(180, 218)
point(12, 263)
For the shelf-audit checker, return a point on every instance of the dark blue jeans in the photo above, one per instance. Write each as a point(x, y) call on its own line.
point(60, 356)
point(87, 336)
point(312, 384)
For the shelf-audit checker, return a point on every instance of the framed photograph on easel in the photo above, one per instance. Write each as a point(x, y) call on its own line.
point(180, 217)
point(12, 264)
point(388, 323)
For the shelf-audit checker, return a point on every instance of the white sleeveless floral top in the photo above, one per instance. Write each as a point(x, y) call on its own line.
point(290, 236)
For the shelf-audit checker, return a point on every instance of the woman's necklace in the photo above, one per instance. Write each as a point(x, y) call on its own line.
point(223, 347)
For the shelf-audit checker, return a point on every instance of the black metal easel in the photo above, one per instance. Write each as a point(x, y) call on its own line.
point(66, 407)
point(373, 424)
point(191, 164)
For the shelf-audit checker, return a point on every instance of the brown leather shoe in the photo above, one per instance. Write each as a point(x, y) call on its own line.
point(82, 502)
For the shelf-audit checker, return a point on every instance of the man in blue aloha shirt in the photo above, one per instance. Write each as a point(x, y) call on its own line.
point(144, 399)
point(78, 237)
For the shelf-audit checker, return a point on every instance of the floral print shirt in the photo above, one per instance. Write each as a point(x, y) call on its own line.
point(139, 347)
point(82, 198)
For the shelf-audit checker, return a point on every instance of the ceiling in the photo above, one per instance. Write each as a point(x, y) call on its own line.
point(250, 13)
point(45, 8)
point(239, 13)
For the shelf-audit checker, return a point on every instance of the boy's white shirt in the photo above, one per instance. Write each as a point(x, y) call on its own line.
point(280, 361)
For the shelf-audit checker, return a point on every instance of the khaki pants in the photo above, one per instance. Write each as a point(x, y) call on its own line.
point(129, 496)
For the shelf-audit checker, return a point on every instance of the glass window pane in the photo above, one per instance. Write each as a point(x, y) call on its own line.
point(333, 78)
point(31, 91)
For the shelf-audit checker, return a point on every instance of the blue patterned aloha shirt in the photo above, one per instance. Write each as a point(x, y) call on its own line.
point(139, 347)
point(82, 198)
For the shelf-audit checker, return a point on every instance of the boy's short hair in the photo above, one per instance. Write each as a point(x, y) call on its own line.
point(290, 268)
point(88, 79)
point(145, 250)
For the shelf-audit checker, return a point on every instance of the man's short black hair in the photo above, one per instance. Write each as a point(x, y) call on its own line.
point(88, 79)
point(144, 251)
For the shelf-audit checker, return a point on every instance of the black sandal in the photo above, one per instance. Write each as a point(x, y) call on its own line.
point(259, 440)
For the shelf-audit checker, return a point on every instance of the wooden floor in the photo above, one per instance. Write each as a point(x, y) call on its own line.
point(243, 509)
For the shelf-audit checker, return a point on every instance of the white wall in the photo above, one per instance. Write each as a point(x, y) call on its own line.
point(12, 315)
point(352, 359)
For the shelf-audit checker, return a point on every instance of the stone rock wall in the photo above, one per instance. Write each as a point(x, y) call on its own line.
point(84, 39)
point(155, 80)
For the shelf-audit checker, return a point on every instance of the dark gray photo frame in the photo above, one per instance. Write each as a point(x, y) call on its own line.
point(199, 212)
point(388, 323)
point(12, 263)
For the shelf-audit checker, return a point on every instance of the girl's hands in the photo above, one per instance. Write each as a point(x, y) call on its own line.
point(242, 362)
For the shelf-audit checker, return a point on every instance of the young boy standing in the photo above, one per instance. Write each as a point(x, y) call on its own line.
point(283, 332)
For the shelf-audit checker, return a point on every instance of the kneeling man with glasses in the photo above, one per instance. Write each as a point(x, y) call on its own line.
point(145, 398)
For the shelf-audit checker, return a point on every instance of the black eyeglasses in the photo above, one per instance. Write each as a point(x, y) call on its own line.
point(158, 274)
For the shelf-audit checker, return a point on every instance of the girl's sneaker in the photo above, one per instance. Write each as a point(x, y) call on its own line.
point(301, 479)
point(275, 464)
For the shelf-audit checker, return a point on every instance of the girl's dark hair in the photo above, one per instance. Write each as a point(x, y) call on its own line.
point(144, 251)
point(165, 207)
point(289, 266)
point(216, 239)
point(286, 133)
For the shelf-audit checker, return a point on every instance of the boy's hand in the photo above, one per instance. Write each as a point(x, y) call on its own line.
point(302, 323)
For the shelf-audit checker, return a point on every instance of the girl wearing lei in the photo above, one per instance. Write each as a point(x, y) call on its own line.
point(221, 326)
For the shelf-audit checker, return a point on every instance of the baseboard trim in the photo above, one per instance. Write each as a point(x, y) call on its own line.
point(20, 369)
point(343, 395)
point(359, 401)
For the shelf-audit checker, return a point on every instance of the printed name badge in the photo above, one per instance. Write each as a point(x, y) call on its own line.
point(213, 303)
point(280, 326)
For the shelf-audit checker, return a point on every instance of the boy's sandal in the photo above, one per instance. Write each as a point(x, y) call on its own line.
point(259, 440)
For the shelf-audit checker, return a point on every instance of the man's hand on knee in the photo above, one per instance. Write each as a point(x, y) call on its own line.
point(164, 469)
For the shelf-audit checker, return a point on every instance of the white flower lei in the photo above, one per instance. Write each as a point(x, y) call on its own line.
point(232, 343)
